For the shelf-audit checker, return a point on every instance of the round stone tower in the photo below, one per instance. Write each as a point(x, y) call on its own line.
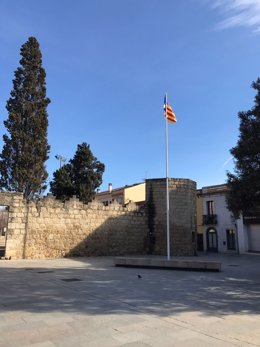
point(182, 199)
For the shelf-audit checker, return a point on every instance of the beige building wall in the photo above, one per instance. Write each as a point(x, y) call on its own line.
point(104, 197)
point(118, 196)
point(134, 193)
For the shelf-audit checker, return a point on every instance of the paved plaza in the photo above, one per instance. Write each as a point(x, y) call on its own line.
point(89, 302)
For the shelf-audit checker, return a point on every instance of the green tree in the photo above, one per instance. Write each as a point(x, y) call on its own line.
point(25, 149)
point(80, 177)
point(244, 185)
point(62, 186)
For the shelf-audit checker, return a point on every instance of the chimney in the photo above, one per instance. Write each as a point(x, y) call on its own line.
point(110, 187)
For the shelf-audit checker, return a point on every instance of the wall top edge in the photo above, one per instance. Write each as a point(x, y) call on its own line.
point(171, 179)
point(11, 193)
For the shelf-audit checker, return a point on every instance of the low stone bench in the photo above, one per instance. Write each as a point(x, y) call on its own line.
point(176, 264)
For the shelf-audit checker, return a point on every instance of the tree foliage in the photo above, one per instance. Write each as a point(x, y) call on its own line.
point(61, 186)
point(80, 177)
point(244, 184)
point(25, 149)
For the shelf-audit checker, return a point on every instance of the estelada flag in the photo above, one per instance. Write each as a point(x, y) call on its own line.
point(168, 112)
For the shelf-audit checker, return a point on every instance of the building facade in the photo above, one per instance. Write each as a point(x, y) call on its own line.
point(124, 195)
point(217, 230)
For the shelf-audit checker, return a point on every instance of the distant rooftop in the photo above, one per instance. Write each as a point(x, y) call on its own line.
point(118, 189)
point(216, 189)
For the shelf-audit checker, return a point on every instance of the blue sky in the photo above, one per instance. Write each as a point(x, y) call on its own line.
point(109, 64)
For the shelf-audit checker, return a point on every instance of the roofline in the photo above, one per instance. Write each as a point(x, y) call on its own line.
point(215, 189)
point(117, 189)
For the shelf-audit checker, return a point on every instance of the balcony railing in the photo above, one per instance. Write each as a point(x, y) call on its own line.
point(210, 219)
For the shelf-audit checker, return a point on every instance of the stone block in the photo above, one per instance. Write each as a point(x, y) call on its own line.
point(193, 265)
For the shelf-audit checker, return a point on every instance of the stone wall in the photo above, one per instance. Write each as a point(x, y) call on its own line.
point(16, 223)
point(182, 196)
point(49, 228)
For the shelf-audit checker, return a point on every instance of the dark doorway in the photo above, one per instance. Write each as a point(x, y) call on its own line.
point(3, 228)
point(200, 242)
point(212, 240)
point(231, 239)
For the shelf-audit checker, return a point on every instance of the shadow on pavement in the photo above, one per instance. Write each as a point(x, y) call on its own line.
point(95, 286)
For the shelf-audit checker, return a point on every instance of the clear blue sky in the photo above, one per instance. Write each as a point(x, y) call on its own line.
point(108, 65)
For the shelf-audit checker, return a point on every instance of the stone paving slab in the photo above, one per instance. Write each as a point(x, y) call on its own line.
point(113, 306)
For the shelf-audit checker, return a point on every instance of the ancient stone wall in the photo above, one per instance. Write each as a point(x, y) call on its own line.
point(49, 228)
point(16, 223)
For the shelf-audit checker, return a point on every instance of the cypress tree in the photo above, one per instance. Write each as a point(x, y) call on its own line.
point(244, 184)
point(25, 149)
point(62, 186)
point(80, 177)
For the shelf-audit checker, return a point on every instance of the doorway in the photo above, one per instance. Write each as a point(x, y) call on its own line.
point(231, 239)
point(200, 246)
point(212, 240)
point(3, 229)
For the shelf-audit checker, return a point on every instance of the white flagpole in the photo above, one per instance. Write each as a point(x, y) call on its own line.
point(167, 184)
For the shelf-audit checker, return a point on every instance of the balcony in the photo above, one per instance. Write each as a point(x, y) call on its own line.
point(210, 219)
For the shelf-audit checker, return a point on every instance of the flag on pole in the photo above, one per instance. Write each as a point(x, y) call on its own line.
point(168, 112)
point(169, 117)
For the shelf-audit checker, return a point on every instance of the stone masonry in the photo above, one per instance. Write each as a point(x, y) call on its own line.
point(182, 196)
point(49, 228)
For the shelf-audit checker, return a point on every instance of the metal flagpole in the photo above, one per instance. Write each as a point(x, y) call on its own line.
point(167, 183)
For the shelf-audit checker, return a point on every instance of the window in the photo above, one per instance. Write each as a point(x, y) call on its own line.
point(210, 208)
